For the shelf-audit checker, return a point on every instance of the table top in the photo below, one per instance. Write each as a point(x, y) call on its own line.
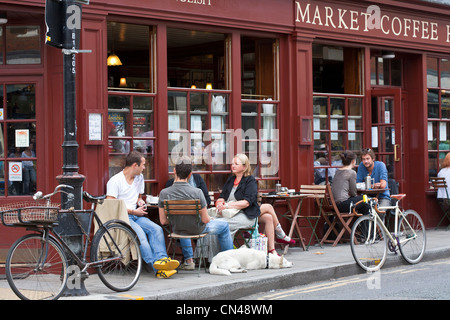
point(286, 196)
point(372, 191)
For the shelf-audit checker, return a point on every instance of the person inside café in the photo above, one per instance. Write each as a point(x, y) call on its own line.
point(181, 189)
point(444, 172)
point(240, 191)
point(196, 181)
point(128, 185)
point(377, 171)
point(344, 185)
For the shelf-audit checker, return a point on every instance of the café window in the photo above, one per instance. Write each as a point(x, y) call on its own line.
point(18, 140)
point(338, 127)
point(131, 97)
point(260, 68)
point(199, 102)
point(197, 59)
point(259, 108)
point(130, 57)
point(198, 127)
point(438, 93)
point(385, 69)
point(337, 69)
point(20, 45)
point(337, 106)
point(260, 140)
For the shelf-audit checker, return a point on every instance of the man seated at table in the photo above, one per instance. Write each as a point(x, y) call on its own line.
point(196, 181)
point(182, 190)
point(377, 171)
point(128, 185)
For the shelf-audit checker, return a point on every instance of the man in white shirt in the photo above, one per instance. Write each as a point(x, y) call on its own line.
point(128, 185)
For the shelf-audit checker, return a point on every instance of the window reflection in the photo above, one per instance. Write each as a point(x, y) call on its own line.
point(259, 68)
point(337, 69)
point(23, 45)
point(196, 59)
point(21, 101)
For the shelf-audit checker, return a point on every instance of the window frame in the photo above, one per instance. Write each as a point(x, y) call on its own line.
point(436, 122)
point(330, 153)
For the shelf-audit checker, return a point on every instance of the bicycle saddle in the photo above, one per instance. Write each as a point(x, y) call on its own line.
point(398, 196)
point(90, 198)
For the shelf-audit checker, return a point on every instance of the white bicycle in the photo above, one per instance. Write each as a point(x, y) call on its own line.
point(371, 239)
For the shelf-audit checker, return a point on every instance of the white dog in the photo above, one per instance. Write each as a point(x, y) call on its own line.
point(244, 259)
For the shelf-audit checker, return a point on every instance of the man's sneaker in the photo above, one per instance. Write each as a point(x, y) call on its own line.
point(187, 266)
point(166, 264)
point(164, 274)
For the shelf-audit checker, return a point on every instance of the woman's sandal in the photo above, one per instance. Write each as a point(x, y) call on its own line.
point(273, 251)
point(285, 241)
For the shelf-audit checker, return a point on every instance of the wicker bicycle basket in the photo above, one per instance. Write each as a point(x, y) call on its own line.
point(28, 213)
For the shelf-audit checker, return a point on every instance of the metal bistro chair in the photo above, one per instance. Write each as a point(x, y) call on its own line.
point(185, 223)
point(439, 182)
point(243, 236)
point(316, 192)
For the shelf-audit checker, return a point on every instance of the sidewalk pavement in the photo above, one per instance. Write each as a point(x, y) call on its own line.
point(316, 264)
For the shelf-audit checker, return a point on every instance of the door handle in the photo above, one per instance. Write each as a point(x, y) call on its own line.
point(396, 155)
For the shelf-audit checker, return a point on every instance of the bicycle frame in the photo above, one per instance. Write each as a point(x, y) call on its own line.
point(47, 231)
point(374, 211)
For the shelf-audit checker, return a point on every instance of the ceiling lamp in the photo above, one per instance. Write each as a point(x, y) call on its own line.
point(113, 60)
point(388, 54)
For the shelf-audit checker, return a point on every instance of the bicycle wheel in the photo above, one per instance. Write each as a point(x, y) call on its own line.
point(117, 241)
point(368, 243)
point(36, 269)
point(411, 236)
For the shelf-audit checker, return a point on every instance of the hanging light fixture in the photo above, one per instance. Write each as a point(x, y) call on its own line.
point(388, 54)
point(113, 60)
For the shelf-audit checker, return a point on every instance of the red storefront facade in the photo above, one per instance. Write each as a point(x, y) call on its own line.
point(297, 81)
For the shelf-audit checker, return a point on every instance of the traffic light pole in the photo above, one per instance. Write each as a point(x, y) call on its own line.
point(68, 228)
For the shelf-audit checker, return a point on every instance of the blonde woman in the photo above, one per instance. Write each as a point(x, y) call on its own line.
point(241, 192)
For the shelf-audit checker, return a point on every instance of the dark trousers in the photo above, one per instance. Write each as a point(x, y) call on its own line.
point(344, 206)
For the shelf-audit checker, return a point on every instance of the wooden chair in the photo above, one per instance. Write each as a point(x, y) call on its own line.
point(439, 182)
point(335, 218)
point(185, 223)
point(317, 192)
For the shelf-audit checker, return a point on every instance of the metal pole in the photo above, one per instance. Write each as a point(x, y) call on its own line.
point(68, 228)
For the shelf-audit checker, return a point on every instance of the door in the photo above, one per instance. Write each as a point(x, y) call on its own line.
point(387, 131)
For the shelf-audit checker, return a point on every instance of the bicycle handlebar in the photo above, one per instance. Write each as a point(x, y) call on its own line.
point(371, 201)
point(39, 195)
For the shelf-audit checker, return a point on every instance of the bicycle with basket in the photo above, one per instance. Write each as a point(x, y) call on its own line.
point(37, 264)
